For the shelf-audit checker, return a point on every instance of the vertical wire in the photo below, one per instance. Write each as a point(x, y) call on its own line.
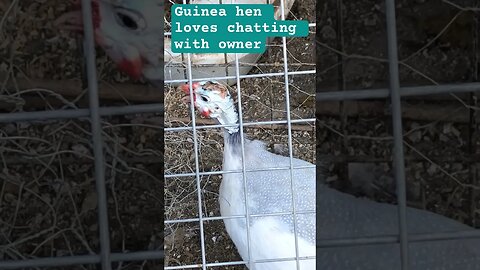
point(398, 155)
point(342, 84)
point(290, 147)
point(96, 135)
point(197, 165)
point(244, 169)
point(472, 134)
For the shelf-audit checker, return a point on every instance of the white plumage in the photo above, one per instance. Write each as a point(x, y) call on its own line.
point(268, 192)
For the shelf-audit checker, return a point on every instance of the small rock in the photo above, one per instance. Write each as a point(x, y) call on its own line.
point(3, 67)
point(10, 128)
point(370, 21)
point(415, 136)
point(9, 197)
point(447, 128)
point(81, 149)
point(432, 169)
point(443, 138)
point(93, 228)
point(280, 149)
point(328, 32)
point(457, 167)
point(90, 202)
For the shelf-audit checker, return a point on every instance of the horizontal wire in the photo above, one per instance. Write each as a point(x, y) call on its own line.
point(247, 124)
point(158, 108)
point(391, 239)
point(239, 171)
point(188, 220)
point(404, 92)
point(216, 264)
point(80, 259)
point(79, 113)
point(246, 76)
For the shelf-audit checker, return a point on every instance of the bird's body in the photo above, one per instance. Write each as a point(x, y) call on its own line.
point(268, 192)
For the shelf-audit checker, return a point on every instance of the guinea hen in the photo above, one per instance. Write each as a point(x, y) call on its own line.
point(340, 215)
point(269, 191)
point(130, 32)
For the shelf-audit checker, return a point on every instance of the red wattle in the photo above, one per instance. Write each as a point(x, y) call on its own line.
point(206, 113)
point(132, 67)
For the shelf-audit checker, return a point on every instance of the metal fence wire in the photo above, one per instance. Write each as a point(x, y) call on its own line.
point(395, 93)
point(94, 113)
point(203, 223)
point(106, 256)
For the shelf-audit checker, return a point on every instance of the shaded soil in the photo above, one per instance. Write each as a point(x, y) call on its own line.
point(437, 44)
point(48, 204)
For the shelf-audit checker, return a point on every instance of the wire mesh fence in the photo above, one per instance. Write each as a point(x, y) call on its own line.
point(52, 215)
point(350, 52)
point(194, 233)
point(275, 102)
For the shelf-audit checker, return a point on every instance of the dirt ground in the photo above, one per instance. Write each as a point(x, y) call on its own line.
point(438, 43)
point(263, 99)
point(47, 188)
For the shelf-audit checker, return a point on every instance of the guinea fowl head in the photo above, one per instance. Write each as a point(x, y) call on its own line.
point(130, 31)
point(212, 99)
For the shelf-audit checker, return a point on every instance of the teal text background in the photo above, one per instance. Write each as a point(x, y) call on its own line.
point(216, 28)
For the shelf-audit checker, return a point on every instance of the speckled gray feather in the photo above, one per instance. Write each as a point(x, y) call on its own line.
point(341, 215)
point(269, 192)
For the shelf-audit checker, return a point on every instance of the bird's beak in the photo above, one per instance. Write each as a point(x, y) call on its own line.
point(205, 112)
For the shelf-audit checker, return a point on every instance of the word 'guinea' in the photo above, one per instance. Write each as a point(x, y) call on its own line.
point(212, 12)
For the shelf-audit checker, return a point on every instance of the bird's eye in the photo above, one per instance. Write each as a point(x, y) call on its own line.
point(204, 98)
point(129, 19)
